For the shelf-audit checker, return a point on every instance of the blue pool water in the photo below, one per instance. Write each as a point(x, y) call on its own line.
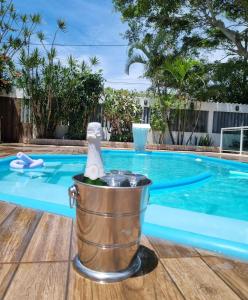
point(183, 184)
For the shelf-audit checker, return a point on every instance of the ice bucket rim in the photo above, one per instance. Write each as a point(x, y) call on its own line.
point(111, 187)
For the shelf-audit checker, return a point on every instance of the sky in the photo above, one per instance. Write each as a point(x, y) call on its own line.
point(89, 22)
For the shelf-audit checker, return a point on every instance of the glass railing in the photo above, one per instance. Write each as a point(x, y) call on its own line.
point(234, 139)
point(245, 141)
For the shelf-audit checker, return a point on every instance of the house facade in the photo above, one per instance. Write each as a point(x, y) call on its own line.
point(15, 125)
point(212, 117)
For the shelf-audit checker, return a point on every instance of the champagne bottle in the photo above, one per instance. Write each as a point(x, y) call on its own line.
point(97, 181)
point(94, 169)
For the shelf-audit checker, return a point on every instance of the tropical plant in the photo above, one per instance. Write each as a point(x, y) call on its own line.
point(15, 32)
point(121, 108)
point(206, 141)
point(158, 121)
point(42, 81)
point(58, 93)
point(82, 90)
point(183, 74)
point(71, 97)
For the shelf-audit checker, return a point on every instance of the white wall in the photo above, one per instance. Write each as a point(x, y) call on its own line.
point(15, 93)
point(221, 107)
point(152, 136)
point(211, 107)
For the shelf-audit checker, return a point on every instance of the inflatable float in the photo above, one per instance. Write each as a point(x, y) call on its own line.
point(26, 162)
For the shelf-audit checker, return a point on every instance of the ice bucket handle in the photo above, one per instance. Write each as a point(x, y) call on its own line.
point(73, 194)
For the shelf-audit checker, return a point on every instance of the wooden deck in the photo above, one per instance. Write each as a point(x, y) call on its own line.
point(37, 248)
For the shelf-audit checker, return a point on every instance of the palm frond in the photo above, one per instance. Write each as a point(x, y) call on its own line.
point(72, 62)
point(84, 66)
point(94, 61)
point(138, 46)
point(24, 18)
point(41, 36)
point(52, 54)
point(180, 67)
point(61, 24)
point(136, 58)
point(35, 18)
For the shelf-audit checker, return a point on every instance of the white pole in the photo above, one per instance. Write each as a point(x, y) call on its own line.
point(221, 140)
point(241, 141)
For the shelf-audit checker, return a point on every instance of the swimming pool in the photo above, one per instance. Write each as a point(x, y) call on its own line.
point(195, 200)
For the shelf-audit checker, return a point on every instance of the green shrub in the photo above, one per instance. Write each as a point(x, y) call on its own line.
point(121, 108)
point(205, 141)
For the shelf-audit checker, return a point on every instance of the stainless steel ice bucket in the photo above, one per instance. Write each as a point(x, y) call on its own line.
point(109, 222)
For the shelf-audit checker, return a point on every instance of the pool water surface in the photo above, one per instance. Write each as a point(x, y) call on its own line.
point(187, 183)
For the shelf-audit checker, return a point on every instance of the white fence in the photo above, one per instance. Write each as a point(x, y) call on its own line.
point(234, 139)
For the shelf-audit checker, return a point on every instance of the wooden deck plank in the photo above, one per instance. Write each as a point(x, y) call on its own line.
point(196, 280)
point(166, 249)
point(234, 273)
point(16, 232)
point(145, 241)
point(6, 274)
point(204, 253)
point(51, 240)
point(74, 248)
point(154, 285)
point(5, 210)
point(39, 281)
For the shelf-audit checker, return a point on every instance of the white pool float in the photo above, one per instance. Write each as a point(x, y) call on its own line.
point(26, 162)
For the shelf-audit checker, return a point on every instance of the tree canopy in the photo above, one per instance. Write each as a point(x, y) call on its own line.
point(57, 92)
point(192, 24)
point(15, 32)
point(160, 31)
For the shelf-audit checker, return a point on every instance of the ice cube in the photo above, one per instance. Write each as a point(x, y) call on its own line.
point(121, 172)
point(138, 180)
point(116, 180)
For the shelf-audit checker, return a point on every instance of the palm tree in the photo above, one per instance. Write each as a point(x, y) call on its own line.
point(152, 53)
point(167, 70)
point(182, 71)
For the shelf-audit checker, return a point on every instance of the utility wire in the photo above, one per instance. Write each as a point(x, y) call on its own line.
point(122, 82)
point(79, 45)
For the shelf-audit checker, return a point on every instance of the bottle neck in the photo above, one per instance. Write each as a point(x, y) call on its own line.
point(94, 166)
